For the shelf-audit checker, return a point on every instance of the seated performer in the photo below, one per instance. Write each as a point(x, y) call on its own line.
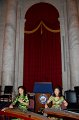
point(57, 100)
point(21, 101)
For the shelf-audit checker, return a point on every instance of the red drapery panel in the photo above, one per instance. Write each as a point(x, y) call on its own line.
point(42, 51)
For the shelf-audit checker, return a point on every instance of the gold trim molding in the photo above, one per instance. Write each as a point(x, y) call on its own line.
point(40, 25)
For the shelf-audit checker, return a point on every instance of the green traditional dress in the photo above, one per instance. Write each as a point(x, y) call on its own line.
point(20, 106)
point(56, 103)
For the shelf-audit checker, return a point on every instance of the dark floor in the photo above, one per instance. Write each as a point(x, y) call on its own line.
point(4, 104)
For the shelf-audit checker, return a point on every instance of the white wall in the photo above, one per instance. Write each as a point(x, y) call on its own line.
point(23, 6)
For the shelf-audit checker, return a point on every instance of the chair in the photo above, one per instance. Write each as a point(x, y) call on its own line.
point(76, 88)
point(71, 98)
point(7, 94)
point(31, 102)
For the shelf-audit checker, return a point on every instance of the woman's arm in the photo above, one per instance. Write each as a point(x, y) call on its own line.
point(48, 101)
point(24, 101)
point(14, 102)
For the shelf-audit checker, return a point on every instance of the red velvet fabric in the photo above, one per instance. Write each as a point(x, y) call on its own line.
point(42, 52)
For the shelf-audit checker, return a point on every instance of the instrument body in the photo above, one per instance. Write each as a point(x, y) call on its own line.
point(25, 115)
point(61, 113)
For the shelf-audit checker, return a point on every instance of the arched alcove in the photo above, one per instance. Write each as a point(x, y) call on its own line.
point(42, 46)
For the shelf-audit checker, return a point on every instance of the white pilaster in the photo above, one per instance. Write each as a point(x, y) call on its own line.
point(9, 44)
point(73, 42)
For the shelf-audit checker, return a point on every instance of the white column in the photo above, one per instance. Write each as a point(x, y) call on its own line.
point(73, 24)
point(9, 44)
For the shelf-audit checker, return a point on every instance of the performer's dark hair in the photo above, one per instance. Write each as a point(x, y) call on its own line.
point(60, 91)
point(22, 87)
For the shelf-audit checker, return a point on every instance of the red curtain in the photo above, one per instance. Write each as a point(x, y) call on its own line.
point(42, 52)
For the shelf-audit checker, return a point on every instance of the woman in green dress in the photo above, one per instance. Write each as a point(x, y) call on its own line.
point(57, 100)
point(21, 101)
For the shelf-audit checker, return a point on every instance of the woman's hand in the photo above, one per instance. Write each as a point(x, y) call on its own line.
point(65, 103)
point(11, 106)
point(46, 106)
point(4, 109)
point(20, 100)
